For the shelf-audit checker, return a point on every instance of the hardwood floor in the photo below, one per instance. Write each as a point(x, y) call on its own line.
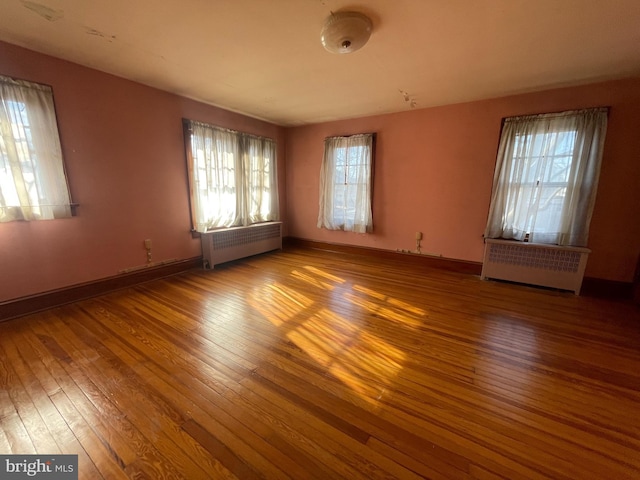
point(306, 364)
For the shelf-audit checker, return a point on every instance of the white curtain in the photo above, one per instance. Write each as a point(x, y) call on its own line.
point(215, 159)
point(260, 182)
point(33, 185)
point(346, 184)
point(232, 177)
point(546, 177)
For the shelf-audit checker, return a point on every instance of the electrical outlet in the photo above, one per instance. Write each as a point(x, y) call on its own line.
point(418, 235)
point(147, 244)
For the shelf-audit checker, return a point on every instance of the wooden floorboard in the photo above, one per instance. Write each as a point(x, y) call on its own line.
point(304, 364)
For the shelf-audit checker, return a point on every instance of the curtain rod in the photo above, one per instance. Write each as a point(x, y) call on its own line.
point(223, 129)
point(560, 114)
point(352, 135)
point(17, 82)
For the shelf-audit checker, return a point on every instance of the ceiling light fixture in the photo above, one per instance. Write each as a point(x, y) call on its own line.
point(345, 32)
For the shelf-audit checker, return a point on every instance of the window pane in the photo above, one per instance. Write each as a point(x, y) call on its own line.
point(347, 201)
point(540, 169)
point(235, 177)
point(546, 171)
point(32, 179)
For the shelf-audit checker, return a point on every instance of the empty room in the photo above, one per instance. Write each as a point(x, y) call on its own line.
point(320, 239)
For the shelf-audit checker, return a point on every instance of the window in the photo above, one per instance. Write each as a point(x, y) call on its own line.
point(346, 184)
point(33, 185)
point(232, 176)
point(547, 176)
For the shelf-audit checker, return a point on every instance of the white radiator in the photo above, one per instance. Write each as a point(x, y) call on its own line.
point(535, 264)
point(228, 244)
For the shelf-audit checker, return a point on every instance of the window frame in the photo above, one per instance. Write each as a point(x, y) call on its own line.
point(241, 191)
point(541, 183)
point(336, 222)
point(33, 145)
point(525, 176)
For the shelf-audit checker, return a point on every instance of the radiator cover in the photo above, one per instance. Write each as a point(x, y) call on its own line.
point(535, 264)
point(225, 245)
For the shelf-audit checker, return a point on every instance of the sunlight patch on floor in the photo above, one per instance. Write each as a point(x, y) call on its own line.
point(346, 346)
point(386, 312)
point(278, 303)
point(324, 274)
point(311, 280)
point(362, 361)
point(385, 306)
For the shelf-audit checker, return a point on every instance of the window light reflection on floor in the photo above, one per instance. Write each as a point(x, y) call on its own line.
point(393, 314)
point(310, 279)
point(345, 345)
point(279, 303)
point(324, 274)
point(363, 362)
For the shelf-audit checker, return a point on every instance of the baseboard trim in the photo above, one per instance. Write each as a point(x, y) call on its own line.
point(452, 265)
point(591, 287)
point(54, 298)
point(609, 289)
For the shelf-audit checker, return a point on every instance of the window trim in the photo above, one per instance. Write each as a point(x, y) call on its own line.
point(68, 193)
point(590, 127)
point(241, 138)
point(372, 161)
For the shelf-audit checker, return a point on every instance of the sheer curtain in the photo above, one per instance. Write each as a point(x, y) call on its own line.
point(232, 177)
point(546, 177)
point(33, 185)
point(346, 184)
point(260, 181)
point(215, 159)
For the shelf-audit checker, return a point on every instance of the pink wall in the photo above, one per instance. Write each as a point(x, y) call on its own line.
point(434, 170)
point(124, 153)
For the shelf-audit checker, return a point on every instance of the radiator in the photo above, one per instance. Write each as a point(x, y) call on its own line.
point(535, 264)
point(220, 246)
